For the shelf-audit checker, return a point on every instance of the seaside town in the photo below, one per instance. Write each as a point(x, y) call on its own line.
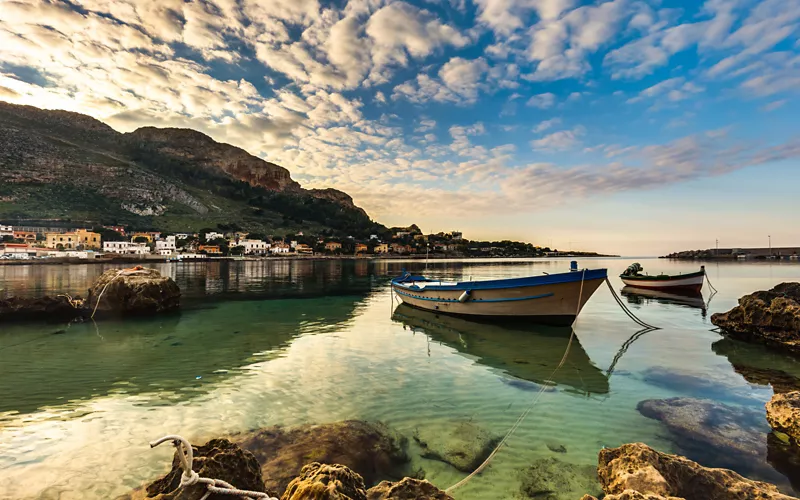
point(118, 242)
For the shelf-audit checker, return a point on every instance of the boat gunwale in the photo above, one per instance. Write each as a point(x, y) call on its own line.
point(507, 283)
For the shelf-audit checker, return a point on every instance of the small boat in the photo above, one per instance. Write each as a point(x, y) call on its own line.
point(691, 282)
point(690, 299)
point(554, 299)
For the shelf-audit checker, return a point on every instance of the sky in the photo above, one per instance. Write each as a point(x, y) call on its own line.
point(634, 127)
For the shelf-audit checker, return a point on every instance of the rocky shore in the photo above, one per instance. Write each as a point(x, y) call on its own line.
point(136, 291)
point(357, 460)
point(771, 317)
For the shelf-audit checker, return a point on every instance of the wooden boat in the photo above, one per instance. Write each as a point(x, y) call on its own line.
point(678, 297)
point(691, 282)
point(554, 299)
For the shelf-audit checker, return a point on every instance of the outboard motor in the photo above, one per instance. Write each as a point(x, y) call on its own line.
point(573, 266)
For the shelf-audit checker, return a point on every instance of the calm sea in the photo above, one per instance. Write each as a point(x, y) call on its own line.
point(292, 342)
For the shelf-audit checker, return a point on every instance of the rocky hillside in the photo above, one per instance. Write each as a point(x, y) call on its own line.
point(68, 166)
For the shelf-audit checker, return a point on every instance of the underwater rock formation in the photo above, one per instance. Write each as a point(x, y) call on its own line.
point(783, 415)
point(136, 291)
point(637, 468)
point(465, 446)
point(370, 449)
point(553, 479)
point(217, 459)
point(766, 316)
point(723, 435)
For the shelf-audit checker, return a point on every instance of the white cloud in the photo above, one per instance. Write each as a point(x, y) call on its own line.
point(546, 125)
point(559, 141)
point(506, 16)
point(425, 125)
point(542, 101)
point(774, 105)
point(675, 89)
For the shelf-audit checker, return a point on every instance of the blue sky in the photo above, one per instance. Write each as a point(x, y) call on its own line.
point(625, 126)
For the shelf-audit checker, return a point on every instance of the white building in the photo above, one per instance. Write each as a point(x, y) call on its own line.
point(293, 244)
point(125, 247)
point(213, 235)
point(280, 248)
point(6, 231)
point(166, 246)
point(254, 247)
point(182, 236)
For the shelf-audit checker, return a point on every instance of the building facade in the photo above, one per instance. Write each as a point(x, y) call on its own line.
point(254, 247)
point(80, 238)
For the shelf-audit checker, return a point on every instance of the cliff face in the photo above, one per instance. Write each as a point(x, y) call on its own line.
point(62, 165)
point(207, 153)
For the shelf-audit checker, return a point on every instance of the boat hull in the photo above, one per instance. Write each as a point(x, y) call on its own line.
point(692, 283)
point(552, 304)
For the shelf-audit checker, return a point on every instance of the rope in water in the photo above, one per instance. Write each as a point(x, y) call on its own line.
point(709, 281)
point(530, 406)
point(628, 311)
point(190, 477)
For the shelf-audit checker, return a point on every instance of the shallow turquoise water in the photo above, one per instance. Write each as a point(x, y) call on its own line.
point(293, 342)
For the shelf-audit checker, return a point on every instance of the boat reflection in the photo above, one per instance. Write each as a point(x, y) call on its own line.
point(640, 296)
point(520, 350)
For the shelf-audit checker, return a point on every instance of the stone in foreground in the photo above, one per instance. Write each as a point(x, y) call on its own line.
point(326, 482)
point(370, 449)
point(654, 475)
point(407, 489)
point(135, 291)
point(217, 459)
point(464, 447)
point(59, 308)
point(767, 316)
point(783, 414)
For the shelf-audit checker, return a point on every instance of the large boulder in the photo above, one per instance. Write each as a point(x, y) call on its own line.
point(783, 414)
point(136, 291)
point(638, 468)
point(58, 308)
point(407, 489)
point(370, 449)
point(719, 434)
point(217, 459)
point(553, 479)
point(771, 316)
point(464, 446)
point(326, 482)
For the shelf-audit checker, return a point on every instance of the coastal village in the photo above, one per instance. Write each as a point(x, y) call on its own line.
point(109, 242)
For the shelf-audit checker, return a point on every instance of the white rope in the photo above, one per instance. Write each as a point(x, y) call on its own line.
point(190, 477)
point(530, 406)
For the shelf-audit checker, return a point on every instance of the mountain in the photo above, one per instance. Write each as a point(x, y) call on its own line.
point(59, 165)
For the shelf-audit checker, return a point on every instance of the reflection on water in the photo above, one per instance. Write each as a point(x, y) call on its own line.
point(175, 355)
point(525, 351)
point(292, 342)
point(686, 299)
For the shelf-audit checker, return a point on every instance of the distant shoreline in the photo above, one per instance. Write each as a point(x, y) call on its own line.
point(164, 260)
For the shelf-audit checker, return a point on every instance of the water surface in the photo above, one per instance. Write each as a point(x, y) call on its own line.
point(292, 342)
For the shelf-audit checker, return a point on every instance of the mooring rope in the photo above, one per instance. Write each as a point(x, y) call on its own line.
point(190, 477)
point(628, 311)
point(525, 413)
point(709, 282)
point(122, 272)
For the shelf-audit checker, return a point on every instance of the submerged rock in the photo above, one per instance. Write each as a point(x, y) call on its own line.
point(699, 384)
point(370, 449)
point(407, 489)
point(785, 458)
point(59, 308)
point(767, 316)
point(637, 472)
point(136, 291)
point(217, 459)
point(783, 414)
point(722, 435)
point(553, 479)
point(465, 446)
point(326, 482)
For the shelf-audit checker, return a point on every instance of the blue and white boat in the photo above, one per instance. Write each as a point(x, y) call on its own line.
point(554, 299)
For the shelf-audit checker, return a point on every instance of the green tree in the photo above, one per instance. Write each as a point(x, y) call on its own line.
point(140, 239)
point(237, 250)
